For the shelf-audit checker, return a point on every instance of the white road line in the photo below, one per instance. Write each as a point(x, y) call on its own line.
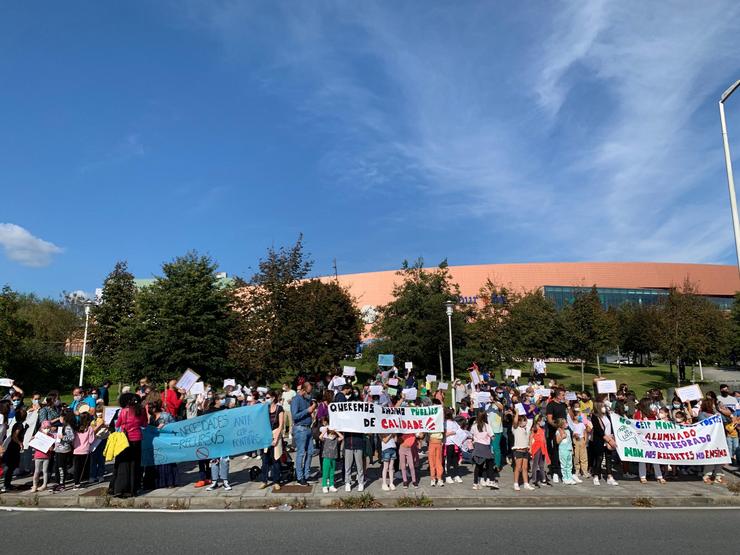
point(388, 509)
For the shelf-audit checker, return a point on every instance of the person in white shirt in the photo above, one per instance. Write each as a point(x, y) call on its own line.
point(287, 397)
point(451, 449)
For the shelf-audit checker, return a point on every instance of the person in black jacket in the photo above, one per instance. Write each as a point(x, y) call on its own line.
point(603, 444)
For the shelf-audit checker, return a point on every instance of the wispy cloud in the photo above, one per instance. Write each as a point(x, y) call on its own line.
point(596, 153)
point(127, 148)
point(23, 247)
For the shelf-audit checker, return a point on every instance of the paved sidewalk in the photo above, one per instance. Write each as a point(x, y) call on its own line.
point(246, 494)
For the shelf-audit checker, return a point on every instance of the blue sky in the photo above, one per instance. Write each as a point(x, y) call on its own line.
point(481, 132)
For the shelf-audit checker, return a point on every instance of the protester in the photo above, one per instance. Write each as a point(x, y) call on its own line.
point(271, 456)
point(126, 479)
point(538, 452)
point(63, 447)
point(302, 407)
point(165, 475)
point(603, 445)
point(521, 452)
point(83, 440)
point(556, 410)
point(483, 474)
point(388, 446)
point(41, 462)
point(330, 451)
point(565, 453)
point(11, 457)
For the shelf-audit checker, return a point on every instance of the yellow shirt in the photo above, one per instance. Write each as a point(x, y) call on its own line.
point(587, 407)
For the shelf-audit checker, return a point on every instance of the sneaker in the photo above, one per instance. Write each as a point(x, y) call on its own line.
point(569, 482)
point(360, 487)
point(458, 479)
point(277, 487)
point(405, 486)
point(227, 485)
point(528, 486)
point(263, 485)
point(587, 476)
point(325, 489)
point(555, 479)
point(332, 489)
point(449, 480)
point(596, 481)
point(34, 489)
point(577, 480)
point(516, 487)
point(484, 482)
point(611, 481)
point(433, 482)
point(212, 486)
point(201, 484)
point(392, 486)
point(416, 485)
point(476, 486)
point(494, 484)
point(440, 483)
point(348, 487)
point(385, 487)
point(42, 487)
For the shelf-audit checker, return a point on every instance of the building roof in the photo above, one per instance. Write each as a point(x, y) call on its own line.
point(375, 288)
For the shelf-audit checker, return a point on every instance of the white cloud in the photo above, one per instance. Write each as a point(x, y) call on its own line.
point(22, 247)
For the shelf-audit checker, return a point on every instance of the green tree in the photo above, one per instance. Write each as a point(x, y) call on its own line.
point(183, 320)
point(487, 339)
point(589, 328)
point(413, 326)
point(638, 331)
point(112, 321)
point(533, 327)
point(14, 331)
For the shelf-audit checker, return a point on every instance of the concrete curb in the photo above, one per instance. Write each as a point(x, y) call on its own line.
point(316, 502)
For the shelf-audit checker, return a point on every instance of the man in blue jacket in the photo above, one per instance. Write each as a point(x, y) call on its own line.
point(302, 408)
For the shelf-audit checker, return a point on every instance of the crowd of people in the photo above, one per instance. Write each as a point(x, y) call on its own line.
point(546, 434)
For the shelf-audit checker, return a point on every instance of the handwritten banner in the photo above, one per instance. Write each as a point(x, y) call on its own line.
point(222, 433)
point(655, 441)
point(370, 418)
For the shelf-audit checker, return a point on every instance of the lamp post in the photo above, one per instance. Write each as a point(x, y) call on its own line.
point(728, 164)
point(84, 344)
point(449, 307)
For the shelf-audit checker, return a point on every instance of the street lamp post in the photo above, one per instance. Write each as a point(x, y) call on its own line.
point(84, 344)
point(728, 164)
point(449, 305)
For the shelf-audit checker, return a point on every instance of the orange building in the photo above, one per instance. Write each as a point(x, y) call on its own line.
point(617, 282)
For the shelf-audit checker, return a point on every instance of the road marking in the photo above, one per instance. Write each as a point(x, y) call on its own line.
point(384, 510)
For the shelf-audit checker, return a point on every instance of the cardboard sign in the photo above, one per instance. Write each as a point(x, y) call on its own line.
point(606, 386)
point(431, 378)
point(349, 371)
point(199, 388)
point(408, 365)
point(513, 372)
point(376, 389)
point(385, 360)
point(108, 414)
point(6, 382)
point(689, 393)
point(409, 394)
point(484, 396)
point(443, 386)
point(42, 442)
point(187, 380)
point(228, 383)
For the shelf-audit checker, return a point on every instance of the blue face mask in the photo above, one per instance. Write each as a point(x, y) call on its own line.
point(16, 403)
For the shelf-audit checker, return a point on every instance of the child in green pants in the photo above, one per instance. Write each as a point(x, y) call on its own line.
point(329, 452)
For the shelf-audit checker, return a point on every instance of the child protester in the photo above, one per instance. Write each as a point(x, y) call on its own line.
point(538, 452)
point(521, 451)
point(81, 446)
point(388, 453)
point(41, 462)
point(329, 452)
point(565, 452)
point(63, 449)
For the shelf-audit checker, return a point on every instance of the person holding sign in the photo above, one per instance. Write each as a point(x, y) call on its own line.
point(603, 444)
point(482, 456)
point(12, 455)
point(521, 451)
point(645, 411)
point(126, 478)
point(41, 461)
point(712, 472)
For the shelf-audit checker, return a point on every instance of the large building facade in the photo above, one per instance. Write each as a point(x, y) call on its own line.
point(617, 282)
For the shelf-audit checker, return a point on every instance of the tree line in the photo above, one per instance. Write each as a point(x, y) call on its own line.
point(280, 322)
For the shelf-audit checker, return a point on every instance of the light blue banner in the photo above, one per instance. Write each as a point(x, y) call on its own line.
point(385, 360)
point(219, 434)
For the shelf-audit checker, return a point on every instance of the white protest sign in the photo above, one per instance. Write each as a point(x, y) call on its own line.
point(32, 418)
point(349, 371)
point(230, 382)
point(408, 365)
point(6, 382)
point(187, 380)
point(520, 409)
point(339, 382)
point(431, 378)
point(442, 385)
point(513, 372)
point(376, 389)
point(689, 393)
point(409, 393)
point(571, 396)
point(199, 388)
point(606, 386)
point(522, 388)
point(42, 442)
point(108, 414)
point(262, 390)
point(474, 377)
point(659, 442)
point(371, 418)
point(393, 381)
point(484, 396)
point(543, 392)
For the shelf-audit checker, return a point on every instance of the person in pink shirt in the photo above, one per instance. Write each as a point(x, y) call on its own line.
point(41, 462)
point(84, 437)
point(131, 419)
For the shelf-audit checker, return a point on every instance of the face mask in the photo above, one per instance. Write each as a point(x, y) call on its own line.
point(94, 395)
point(580, 418)
point(35, 401)
point(16, 403)
point(268, 401)
point(676, 405)
point(223, 402)
point(78, 397)
point(531, 399)
point(542, 424)
point(500, 395)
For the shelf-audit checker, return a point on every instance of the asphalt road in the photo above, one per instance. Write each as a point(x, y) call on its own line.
point(374, 531)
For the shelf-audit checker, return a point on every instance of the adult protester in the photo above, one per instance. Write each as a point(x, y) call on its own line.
point(354, 446)
point(303, 408)
point(556, 410)
point(172, 398)
point(104, 392)
point(286, 398)
point(165, 475)
point(271, 456)
point(131, 419)
point(604, 445)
